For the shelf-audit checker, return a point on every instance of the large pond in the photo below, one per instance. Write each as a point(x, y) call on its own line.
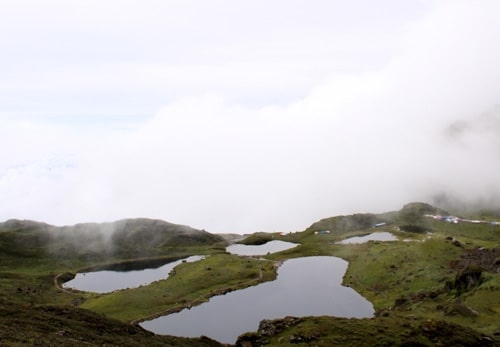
point(309, 286)
point(268, 247)
point(109, 281)
point(379, 236)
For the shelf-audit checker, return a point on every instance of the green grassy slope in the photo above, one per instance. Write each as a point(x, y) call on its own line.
point(69, 326)
point(34, 311)
point(424, 275)
point(388, 332)
point(437, 285)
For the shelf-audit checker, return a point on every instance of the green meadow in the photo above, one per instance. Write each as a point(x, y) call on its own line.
point(437, 284)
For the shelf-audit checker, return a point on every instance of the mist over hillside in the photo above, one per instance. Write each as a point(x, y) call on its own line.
point(127, 238)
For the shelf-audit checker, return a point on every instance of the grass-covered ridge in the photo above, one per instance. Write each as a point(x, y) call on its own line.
point(36, 257)
point(436, 285)
point(88, 242)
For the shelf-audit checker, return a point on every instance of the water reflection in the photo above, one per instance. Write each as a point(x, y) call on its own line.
point(268, 247)
point(381, 236)
point(308, 286)
point(108, 281)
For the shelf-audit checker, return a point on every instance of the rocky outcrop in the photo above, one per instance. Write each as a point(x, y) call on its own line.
point(389, 331)
point(466, 279)
point(487, 259)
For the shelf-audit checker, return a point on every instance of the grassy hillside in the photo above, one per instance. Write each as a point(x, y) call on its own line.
point(331, 331)
point(37, 244)
point(36, 311)
point(439, 272)
point(437, 285)
point(69, 326)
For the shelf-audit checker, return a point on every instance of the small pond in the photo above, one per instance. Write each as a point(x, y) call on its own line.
point(108, 281)
point(379, 236)
point(309, 286)
point(268, 247)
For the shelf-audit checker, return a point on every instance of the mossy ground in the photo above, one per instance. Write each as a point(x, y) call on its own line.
point(69, 326)
point(375, 332)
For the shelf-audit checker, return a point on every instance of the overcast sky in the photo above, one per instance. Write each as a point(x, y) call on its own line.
point(243, 116)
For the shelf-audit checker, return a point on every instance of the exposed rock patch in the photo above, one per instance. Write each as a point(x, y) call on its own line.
point(487, 259)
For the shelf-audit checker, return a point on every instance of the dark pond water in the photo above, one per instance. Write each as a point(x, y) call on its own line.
point(269, 247)
point(309, 286)
point(108, 281)
point(379, 236)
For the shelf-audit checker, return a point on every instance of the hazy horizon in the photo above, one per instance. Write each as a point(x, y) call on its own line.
point(240, 117)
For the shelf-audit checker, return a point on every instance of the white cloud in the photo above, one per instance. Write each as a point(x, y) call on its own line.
point(424, 123)
point(253, 52)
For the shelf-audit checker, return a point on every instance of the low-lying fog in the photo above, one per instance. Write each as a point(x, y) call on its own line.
point(403, 106)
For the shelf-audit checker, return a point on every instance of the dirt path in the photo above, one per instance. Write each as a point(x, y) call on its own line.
point(61, 288)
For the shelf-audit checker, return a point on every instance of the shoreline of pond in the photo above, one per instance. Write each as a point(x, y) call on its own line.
point(284, 296)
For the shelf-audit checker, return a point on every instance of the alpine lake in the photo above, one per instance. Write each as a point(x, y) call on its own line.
point(306, 286)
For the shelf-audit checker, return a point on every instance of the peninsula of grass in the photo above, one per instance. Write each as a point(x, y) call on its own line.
point(259, 238)
point(190, 285)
